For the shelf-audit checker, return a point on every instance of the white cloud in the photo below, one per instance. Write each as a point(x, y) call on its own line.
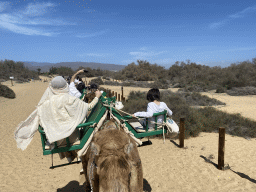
point(37, 9)
point(18, 22)
point(242, 13)
point(95, 55)
point(146, 54)
point(92, 34)
point(218, 24)
point(19, 19)
point(143, 48)
point(23, 30)
point(128, 61)
point(238, 49)
point(237, 15)
point(164, 61)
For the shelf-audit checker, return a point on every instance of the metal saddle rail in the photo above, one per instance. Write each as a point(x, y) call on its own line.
point(147, 133)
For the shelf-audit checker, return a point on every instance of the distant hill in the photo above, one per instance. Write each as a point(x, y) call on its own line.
point(74, 65)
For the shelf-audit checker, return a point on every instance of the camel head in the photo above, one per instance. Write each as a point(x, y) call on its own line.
point(110, 125)
point(112, 167)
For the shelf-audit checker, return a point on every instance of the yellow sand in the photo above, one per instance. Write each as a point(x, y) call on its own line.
point(165, 166)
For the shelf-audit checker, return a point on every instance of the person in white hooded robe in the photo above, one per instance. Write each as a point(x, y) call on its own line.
point(58, 112)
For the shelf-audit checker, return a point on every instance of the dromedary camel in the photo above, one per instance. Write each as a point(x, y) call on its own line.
point(112, 162)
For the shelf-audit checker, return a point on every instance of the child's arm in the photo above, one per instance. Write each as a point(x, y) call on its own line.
point(169, 112)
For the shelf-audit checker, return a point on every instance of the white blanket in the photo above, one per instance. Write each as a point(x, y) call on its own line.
point(57, 112)
point(60, 115)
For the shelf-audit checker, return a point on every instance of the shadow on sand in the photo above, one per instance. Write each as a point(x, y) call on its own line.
point(75, 187)
point(242, 175)
point(72, 186)
point(176, 144)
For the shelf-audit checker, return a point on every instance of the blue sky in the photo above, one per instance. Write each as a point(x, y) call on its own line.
point(120, 32)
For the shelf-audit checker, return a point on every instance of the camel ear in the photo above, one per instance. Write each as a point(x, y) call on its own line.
point(128, 148)
point(95, 148)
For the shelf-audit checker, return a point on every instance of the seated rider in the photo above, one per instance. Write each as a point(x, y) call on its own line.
point(58, 112)
point(154, 106)
point(72, 87)
point(80, 87)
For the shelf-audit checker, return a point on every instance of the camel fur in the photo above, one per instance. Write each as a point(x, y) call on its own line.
point(112, 162)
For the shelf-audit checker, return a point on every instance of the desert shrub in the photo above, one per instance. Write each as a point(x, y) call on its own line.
point(235, 124)
point(21, 80)
point(127, 84)
point(16, 69)
point(220, 90)
point(137, 102)
point(143, 84)
point(176, 85)
point(190, 76)
point(160, 84)
point(97, 81)
point(196, 99)
point(238, 91)
point(6, 92)
point(229, 83)
point(193, 88)
point(113, 83)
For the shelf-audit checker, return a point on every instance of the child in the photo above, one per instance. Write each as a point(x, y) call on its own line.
point(154, 106)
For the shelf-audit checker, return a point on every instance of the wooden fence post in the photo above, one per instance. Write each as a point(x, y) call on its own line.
point(122, 91)
point(221, 148)
point(118, 96)
point(182, 132)
point(113, 93)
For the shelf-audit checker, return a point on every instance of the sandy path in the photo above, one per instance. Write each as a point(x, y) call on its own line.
point(245, 105)
point(165, 166)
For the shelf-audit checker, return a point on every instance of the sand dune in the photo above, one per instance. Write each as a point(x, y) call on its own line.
point(165, 166)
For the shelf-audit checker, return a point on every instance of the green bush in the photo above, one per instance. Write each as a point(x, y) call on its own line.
point(160, 84)
point(17, 70)
point(112, 83)
point(220, 90)
point(196, 99)
point(6, 92)
point(97, 81)
point(238, 91)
